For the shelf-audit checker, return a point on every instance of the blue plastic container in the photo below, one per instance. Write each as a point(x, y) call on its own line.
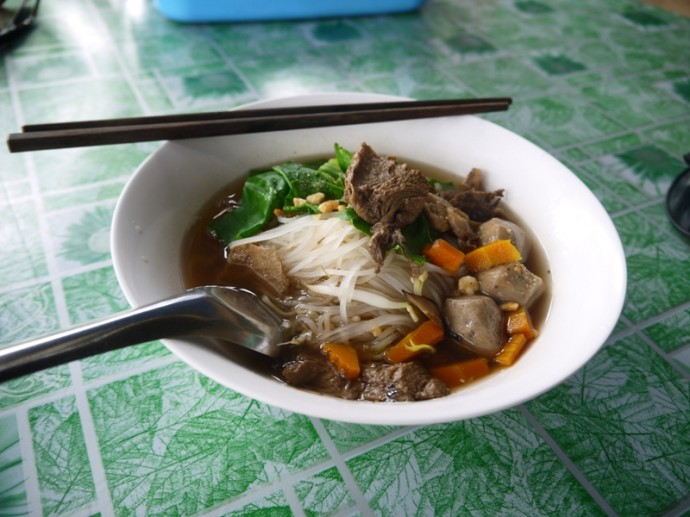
point(198, 11)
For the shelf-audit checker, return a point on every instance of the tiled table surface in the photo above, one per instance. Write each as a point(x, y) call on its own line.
point(605, 86)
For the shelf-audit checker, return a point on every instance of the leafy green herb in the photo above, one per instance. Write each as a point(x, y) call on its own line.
point(349, 214)
point(269, 189)
point(304, 181)
point(417, 235)
point(262, 193)
point(343, 157)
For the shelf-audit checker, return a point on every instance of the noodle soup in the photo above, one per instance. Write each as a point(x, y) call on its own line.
point(339, 299)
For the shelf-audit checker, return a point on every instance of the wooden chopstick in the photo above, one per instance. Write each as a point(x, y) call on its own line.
point(37, 137)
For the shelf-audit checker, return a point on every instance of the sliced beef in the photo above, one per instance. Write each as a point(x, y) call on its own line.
point(400, 382)
point(444, 217)
point(264, 262)
point(311, 369)
point(383, 237)
point(386, 194)
point(511, 283)
point(480, 205)
point(476, 323)
point(496, 229)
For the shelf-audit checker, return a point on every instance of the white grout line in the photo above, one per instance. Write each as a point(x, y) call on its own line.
point(683, 372)
point(340, 463)
point(288, 480)
point(383, 440)
point(286, 484)
point(101, 496)
point(96, 17)
point(41, 400)
point(638, 327)
point(140, 369)
point(26, 446)
point(33, 491)
point(567, 462)
point(93, 452)
point(682, 508)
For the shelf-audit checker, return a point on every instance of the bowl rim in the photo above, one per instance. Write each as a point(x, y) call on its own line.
point(362, 412)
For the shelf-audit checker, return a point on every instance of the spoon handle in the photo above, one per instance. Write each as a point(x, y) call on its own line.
point(177, 316)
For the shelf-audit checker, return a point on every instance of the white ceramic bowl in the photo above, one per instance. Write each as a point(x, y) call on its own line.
point(582, 247)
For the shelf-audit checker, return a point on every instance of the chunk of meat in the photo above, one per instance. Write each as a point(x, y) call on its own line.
point(479, 204)
point(264, 262)
point(311, 369)
point(383, 237)
point(497, 229)
point(445, 217)
point(386, 194)
point(476, 322)
point(378, 381)
point(511, 283)
point(400, 382)
point(382, 190)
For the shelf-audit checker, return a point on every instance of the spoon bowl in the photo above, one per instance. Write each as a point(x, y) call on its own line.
point(227, 313)
point(678, 200)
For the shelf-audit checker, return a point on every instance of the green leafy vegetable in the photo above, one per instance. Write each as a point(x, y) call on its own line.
point(343, 157)
point(304, 181)
point(417, 235)
point(262, 193)
point(349, 214)
point(275, 188)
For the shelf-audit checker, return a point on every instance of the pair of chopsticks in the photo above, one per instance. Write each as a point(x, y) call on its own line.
point(37, 137)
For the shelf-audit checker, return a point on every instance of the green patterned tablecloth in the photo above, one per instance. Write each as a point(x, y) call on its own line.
point(604, 86)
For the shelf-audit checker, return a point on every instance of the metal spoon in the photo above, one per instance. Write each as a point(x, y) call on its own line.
point(235, 315)
point(678, 200)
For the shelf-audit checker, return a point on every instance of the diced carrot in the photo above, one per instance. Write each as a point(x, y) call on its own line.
point(510, 352)
point(519, 322)
point(344, 357)
point(492, 254)
point(462, 372)
point(420, 339)
point(443, 254)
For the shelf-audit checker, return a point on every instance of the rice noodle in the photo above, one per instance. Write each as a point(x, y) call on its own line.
point(345, 299)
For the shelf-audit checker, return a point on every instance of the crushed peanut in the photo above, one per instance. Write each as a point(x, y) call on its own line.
point(329, 206)
point(468, 285)
point(509, 306)
point(298, 201)
point(316, 198)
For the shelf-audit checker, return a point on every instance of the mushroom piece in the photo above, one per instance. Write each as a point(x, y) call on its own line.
point(497, 229)
point(476, 323)
point(511, 283)
point(426, 306)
